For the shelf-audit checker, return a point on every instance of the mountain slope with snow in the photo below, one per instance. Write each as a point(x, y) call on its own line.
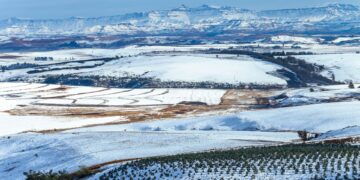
point(340, 17)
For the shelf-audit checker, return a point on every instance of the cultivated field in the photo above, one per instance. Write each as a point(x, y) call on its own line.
point(51, 107)
point(286, 162)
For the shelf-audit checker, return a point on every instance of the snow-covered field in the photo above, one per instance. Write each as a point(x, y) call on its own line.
point(352, 131)
point(54, 127)
point(173, 136)
point(345, 39)
point(188, 68)
point(345, 67)
point(316, 95)
point(4, 39)
point(319, 117)
point(33, 94)
point(295, 39)
point(195, 69)
point(288, 46)
point(316, 118)
point(82, 54)
point(51, 127)
point(68, 151)
point(49, 97)
point(16, 124)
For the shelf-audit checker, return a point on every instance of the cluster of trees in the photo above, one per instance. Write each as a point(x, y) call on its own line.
point(305, 135)
point(48, 68)
point(351, 85)
point(60, 175)
point(283, 53)
point(43, 58)
point(34, 175)
point(138, 81)
point(18, 66)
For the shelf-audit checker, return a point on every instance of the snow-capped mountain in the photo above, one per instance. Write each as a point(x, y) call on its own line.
point(209, 19)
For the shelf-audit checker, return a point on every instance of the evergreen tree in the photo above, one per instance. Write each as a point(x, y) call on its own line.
point(351, 85)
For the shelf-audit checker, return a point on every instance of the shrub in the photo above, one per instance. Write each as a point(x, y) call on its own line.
point(38, 175)
point(351, 85)
point(303, 135)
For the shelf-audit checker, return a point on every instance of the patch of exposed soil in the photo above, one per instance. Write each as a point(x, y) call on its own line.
point(245, 97)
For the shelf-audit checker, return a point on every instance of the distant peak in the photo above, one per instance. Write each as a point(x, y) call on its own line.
point(77, 17)
point(205, 6)
point(343, 6)
point(14, 19)
point(202, 7)
point(183, 7)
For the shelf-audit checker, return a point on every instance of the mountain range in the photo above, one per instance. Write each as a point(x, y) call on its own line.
point(333, 18)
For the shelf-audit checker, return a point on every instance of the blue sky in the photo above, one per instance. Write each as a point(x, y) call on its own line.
point(44, 9)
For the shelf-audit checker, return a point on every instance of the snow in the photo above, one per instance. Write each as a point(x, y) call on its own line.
point(53, 91)
point(4, 39)
point(10, 124)
point(69, 151)
point(91, 53)
point(172, 136)
point(344, 39)
point(26, 94)
point(26, 88)
point(325, 92)
point(6, 105)
point(189, 68)
point(217, 123)
point(321, 94)
point(189, 20)
point(314, 48)
point(196, 69)
point(71, 91)
point(320, 117)
point(352, 131)
point(299, 162)
point(304, 40)
point(316, 118)
point(344, 66)
point(16, 95)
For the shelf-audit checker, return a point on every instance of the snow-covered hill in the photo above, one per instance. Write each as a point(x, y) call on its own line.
point(331, 18)
point(345, 67)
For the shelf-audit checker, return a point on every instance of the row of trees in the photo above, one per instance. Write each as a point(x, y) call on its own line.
point(43, 58)
point(306, 160)
point(18, 66)
point(138, 81)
